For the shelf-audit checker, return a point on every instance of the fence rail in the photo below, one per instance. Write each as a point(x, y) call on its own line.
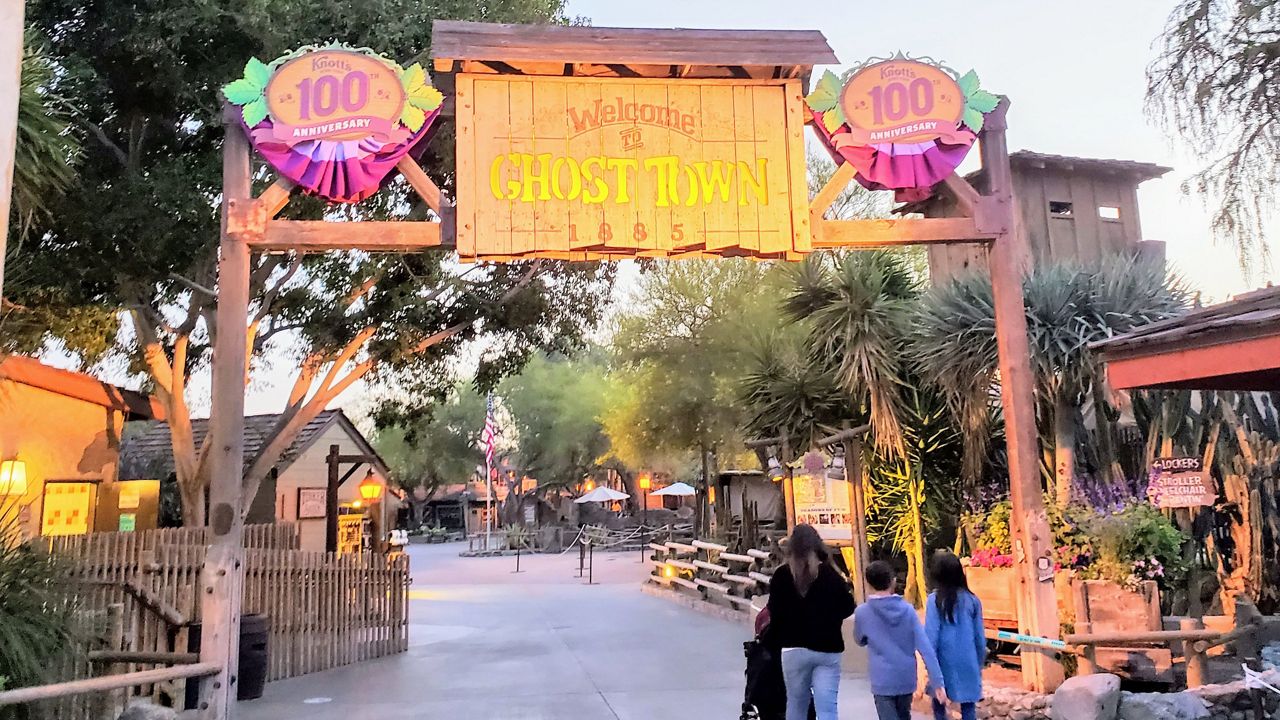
point(140, 593)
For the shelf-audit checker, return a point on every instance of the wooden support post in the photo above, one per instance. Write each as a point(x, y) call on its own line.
point(1037, 602)
point(861, 554)
point(1088, 662)
point(331, 501)
point(11, 49)
point(1246, 646)
point(222, 575)
point(1197, 664)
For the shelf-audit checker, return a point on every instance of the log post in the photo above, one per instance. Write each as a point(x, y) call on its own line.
point(11, 50)
point(331, 501)
point(1246, 645)
point(1197, 664)
point(1037, 602)
point(222, 575)
point(1088, 659)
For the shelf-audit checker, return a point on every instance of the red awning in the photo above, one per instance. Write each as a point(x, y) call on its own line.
point(1230, 346)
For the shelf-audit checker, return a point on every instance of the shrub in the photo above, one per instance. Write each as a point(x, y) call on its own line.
point(36, 608)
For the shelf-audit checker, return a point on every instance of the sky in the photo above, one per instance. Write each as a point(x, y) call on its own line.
point(1074, 73)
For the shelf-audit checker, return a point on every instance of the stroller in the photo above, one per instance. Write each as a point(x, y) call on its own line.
point(765, 697)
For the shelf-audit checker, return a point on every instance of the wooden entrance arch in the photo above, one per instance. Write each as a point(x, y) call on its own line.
point(465, 50)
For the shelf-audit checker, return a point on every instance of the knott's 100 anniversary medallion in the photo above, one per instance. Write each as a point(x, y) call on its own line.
point(578, 168)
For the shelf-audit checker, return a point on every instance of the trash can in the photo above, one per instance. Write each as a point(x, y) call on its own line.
point(254, 630)
point(251, 679)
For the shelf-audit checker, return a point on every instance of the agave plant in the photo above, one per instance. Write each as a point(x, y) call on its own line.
point(46, 148)
point(1068, 307)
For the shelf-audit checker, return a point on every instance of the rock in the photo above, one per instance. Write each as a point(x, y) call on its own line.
point(1087, 697)
point(1162, 706)
point(141, 710)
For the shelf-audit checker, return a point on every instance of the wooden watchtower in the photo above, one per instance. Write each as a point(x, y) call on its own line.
point(1068, 208)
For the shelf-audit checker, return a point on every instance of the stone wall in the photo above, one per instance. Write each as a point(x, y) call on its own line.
point(1231, 701)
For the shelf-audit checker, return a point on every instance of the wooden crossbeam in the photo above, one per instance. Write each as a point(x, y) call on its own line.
point(273, 199)
point(370, 236)
point(422, 184)
point(891, 233)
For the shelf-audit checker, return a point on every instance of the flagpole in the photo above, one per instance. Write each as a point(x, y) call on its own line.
point(488, 483)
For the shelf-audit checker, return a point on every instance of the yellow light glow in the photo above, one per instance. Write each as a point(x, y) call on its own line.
point(356, 504)
point(590, 485)
point(645, 482)
point(13, 477)
point(370, 488)
point(711, 494)
point(668, 571)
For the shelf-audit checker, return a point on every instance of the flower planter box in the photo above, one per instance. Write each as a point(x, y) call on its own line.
point(1110, 607)
point(997, 588)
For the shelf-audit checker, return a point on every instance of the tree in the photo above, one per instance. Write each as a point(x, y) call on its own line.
point(437, 449)
point(556, 405)
point(146, 90)
point(1216, 85)
point(1068, 307)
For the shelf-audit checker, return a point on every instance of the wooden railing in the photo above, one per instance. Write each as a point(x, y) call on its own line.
point(324, 611)
point(711, 570)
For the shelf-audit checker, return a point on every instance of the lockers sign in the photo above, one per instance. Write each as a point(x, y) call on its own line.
point(581, 168)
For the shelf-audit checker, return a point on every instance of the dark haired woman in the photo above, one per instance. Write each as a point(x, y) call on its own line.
point(953, 622)
point(808, 600)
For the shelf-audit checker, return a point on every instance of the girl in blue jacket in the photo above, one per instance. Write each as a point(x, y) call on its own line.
point(953, 623)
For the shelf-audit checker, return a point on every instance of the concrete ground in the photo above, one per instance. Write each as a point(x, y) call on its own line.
point(486, 643)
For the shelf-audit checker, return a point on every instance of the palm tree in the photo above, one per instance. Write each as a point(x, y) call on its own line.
point(1068, 307)
point(46, 149)
point(844, 358)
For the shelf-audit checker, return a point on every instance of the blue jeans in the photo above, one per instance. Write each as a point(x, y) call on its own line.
point(968, 711)
point(811, 674)
point(893, 707)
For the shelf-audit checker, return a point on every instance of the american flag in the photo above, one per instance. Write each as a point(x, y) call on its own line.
point(490, 433)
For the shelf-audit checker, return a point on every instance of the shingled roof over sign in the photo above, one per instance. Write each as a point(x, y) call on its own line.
point(146, 449)
point(627, 52)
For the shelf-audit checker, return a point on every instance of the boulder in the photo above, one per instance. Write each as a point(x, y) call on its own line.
point(142, 710)
point(1162, 706)
point(1087, 697)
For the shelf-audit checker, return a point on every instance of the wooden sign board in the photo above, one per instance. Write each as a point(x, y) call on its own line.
point(586, 168)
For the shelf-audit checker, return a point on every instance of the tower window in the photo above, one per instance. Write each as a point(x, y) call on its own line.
point(1058, 208)
point(1108, 212)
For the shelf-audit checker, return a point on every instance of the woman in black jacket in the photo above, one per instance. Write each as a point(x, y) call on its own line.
point(808, 600)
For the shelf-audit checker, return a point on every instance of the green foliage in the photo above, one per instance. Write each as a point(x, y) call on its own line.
point(518, 537)
point(680, 347)
point(37, 610)
point(1215, 86)
point(439, 448)
point(556, 405)
point(1126, 542)
point(992, 529)
point(47, 147)
point(825, 99)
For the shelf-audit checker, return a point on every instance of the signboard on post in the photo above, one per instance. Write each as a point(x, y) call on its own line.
point(822, 501)
point(586, 168)
point(1180, 482)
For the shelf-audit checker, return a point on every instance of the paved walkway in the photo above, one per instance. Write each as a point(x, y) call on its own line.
point(487, 644)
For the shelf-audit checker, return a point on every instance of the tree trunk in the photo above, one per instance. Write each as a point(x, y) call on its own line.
point(1064, 448)
point(915, 551)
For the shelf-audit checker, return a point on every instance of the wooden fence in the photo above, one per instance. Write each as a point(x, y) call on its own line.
point(139, 594)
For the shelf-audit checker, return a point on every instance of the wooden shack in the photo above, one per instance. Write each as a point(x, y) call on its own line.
point(1069, 208)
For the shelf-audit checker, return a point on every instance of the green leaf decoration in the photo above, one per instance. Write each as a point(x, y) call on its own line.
point(968, 83)
point(973, 119)
point(412, 117)
point(833, 119)
point(982, 101)
point(255, 112)
point(257, 73)
point(413, 78)
point(241, 92)
point(826, 94)
point(427, 98)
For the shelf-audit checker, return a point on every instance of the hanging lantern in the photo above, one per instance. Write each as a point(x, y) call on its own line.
point(370, 488)
point(644, 482)
point(13, 477)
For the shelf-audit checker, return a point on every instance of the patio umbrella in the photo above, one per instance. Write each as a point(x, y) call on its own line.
point(602, 494)
point(678, 489)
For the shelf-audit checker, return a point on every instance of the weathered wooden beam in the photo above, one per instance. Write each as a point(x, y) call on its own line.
point(370, 236)
point(422, 183)
point(1037, 602)
point(110, 682)
point(836, 184)
point(222, 575)
point(965, 194)
point(890, 233)
point(273, 199)
point(846, 434)
point(139, 656)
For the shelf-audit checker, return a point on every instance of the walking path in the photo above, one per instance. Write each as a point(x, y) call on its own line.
point(488, 644)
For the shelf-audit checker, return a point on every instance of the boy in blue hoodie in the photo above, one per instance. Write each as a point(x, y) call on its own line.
point(890, 630)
